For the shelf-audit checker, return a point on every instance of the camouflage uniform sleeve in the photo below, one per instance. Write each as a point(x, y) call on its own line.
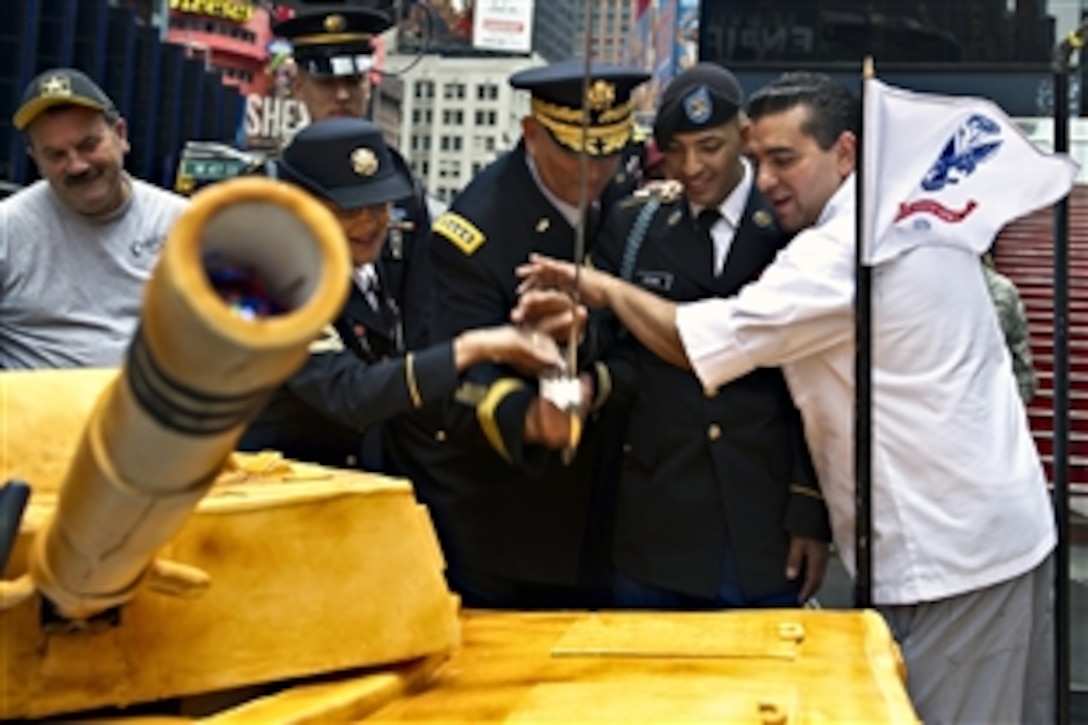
point(1014, 325)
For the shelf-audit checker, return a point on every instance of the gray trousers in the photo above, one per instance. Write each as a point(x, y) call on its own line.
point(982, 657)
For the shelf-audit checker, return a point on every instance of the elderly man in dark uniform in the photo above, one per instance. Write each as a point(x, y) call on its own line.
point(511, 515)
point(718, 505)
point(361, 373)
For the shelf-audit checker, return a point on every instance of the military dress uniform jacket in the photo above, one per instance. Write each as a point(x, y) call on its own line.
point(501, 506)
point(357, 376)
point(705, 469)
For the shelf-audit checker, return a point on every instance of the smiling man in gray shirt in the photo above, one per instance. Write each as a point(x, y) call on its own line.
point(77, 247)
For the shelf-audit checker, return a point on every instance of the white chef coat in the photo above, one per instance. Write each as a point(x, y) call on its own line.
point(959, 495)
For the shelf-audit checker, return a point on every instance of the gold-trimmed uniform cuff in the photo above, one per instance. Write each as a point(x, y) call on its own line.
point(603, 385)
point(485, 412)
point(805, 491)
point(411, 382)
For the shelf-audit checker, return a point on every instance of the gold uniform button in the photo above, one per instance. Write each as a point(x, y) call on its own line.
point(440, 436)
point(714, 432)
point(710, 392)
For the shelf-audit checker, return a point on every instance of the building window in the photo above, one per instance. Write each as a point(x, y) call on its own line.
point(450, 143)
point(486, 118)
point(424, 89)
point(449, 169)
point(213, 27)
point(487, 92)
point(454, 91)
point(453, 118)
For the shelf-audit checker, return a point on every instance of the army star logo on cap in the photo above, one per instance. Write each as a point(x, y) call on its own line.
point(601, 95)
point(56, 86)
point(762, 218)
point(698, 106)
point(335, 23)
point(364, 162)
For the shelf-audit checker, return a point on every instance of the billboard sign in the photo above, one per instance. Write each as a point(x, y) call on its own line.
point(503, 25)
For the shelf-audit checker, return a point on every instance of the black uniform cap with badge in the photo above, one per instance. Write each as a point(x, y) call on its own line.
point(704, 96)
point(61, 87)
point(560, 98)
point(345, 161)
point(333, 39)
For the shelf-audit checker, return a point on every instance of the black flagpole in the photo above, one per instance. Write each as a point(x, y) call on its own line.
point(863, 381)
point(1060, 66)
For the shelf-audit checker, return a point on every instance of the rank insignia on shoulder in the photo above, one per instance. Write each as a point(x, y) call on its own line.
point(460, 231)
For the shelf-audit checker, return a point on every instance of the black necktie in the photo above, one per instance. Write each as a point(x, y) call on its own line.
point(706, 219)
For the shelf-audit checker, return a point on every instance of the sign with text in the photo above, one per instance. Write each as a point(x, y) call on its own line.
point(503, 25)
point(239, 11)
point(272, 120)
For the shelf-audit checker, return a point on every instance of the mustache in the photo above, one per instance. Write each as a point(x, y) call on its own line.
point(79, 179)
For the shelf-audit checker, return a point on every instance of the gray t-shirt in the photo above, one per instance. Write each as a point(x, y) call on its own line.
point(71, 287)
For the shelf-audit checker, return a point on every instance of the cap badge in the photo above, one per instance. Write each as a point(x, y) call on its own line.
point(56, 87)
point(335, 23)
point(698, 106)
point(364, 162)
point(762, 218)
point(601, 95)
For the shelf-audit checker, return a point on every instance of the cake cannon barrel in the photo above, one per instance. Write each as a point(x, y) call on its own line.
point(201, 365)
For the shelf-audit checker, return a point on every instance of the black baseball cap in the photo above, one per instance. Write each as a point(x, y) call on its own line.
point(346, 161)
point(60, 87)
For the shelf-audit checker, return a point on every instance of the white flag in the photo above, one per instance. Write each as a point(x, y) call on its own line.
point(947, 170)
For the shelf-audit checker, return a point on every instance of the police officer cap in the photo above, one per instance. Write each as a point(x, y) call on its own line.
point(60, 87)
point(333, 38)
point(345, 161)
point(559, 97)
point(704, 96)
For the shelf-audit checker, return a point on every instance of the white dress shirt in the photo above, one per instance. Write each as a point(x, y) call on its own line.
point(959, 496)
point(731, 211)
point(365, 277)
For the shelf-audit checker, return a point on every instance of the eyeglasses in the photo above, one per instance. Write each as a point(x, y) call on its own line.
point(373, 215)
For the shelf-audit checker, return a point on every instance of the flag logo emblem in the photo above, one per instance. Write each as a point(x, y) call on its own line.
point(972, 143)
point(698, 106)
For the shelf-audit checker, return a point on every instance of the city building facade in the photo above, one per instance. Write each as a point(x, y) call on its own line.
point(231, 36)
point(553, 29)
point(608, 23)
point(458, 115)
